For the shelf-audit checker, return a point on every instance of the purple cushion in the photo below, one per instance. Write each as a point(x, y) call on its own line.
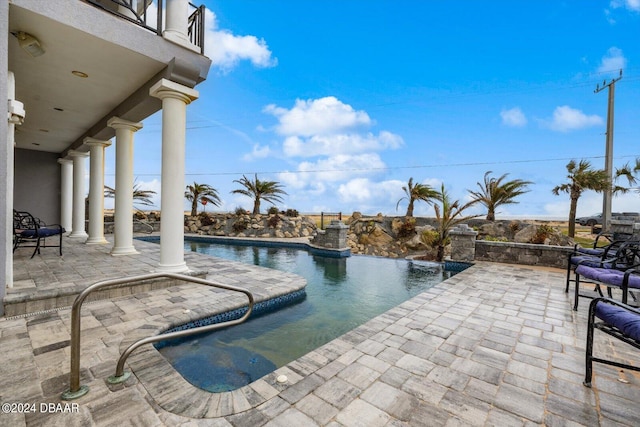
point(588, 251)
point(625, 321)
point(589, 261)
point(608, 276)
point(42, 232)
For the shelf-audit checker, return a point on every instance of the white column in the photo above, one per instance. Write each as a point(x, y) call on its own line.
point(96, 190)
point(123, 216)
point(15, 117)
point(177, 23)
point(66, 193)
point(175, 98)
point(78, 214)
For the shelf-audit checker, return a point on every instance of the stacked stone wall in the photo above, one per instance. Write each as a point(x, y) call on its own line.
point(247, 225)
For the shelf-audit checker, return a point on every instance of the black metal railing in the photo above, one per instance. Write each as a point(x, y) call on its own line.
point(326, 217)
point(196, 26)
point(137, 12)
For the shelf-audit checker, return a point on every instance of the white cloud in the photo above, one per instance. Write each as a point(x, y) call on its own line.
point(613, 61)
point(325, 145)
point(258, 152)
point(633, 5)
point(331, 169)
point(226, 50)
point(321, 116)
point(566, 119)
point(513, 117)
point(358, 189)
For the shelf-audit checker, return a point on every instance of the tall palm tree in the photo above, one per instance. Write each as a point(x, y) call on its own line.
point(202, 193)
point(493, 192)
point(269, 191)
point(416, 192)
point(140, 196)
point(581, 177)
point(448, 215)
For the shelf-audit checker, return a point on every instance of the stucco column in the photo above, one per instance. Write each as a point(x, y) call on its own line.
point(123, 216)
point(78, 212)
point(175, 98)
point(177, 23)
point(15, 117)
point(96, 190)
point(66, 193)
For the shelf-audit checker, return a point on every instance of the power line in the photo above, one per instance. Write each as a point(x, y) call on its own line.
point(449, 165)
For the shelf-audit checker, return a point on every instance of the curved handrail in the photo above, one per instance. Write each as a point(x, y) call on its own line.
point(75, 390)
point(146, 224)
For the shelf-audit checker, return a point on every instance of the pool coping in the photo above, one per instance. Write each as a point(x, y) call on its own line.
point(300, 243)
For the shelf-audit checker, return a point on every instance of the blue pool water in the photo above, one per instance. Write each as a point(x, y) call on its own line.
point(341, 294)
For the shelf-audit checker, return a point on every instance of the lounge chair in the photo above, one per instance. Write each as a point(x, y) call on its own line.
point(616, 319)
point(31, 232)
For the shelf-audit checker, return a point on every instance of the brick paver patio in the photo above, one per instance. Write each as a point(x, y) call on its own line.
point(494, 345)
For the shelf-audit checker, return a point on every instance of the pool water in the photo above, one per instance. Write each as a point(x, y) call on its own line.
point(341, 294)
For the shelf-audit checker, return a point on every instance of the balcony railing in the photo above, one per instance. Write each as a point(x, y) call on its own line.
point(139, 12)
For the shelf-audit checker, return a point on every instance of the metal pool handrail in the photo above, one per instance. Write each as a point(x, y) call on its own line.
point(75, 389)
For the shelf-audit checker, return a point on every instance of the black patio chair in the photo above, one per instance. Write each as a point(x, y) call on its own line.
point(611, 266)
point(594, 256)
point(31, 232)
point(617, 320)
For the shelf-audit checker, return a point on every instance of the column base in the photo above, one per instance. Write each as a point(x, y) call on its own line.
point(180, 39)
point(172, 268)
point(78, 234)
point(96, 241)
point(130, 250)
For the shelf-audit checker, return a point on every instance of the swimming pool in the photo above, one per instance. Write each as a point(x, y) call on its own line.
point(341, 294)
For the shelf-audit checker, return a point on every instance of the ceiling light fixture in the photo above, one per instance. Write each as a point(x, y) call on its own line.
point(29, 43)
point(80, 74)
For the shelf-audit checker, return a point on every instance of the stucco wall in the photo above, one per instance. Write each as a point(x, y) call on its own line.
point(37, 184)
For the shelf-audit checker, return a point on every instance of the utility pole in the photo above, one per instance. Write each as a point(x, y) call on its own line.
point(608, 160)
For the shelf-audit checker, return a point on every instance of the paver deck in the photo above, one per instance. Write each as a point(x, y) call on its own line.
point(494, 345)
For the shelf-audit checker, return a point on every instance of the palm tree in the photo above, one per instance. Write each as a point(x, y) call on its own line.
point(493, 192)
point(415, 192)
point(448, 215)
point(269, 191)
point(581, 177)
point(630, 173)
point(139, 195)
point(202, 193)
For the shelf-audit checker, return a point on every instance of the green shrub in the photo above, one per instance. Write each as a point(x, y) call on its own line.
point(292, 213)
point(240, 225)
point(514, 226)
point(430, 238)
point(542, 233)
point(495, 239)
point(273, 221)
point(273, 210)
point(240, 211)
point(407, 229)
point(205, 219)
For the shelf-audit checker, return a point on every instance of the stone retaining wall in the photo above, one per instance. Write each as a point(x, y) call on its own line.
point(522, 253)
point(234, 225)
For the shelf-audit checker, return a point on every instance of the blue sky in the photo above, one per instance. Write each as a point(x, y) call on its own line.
point(343, 101)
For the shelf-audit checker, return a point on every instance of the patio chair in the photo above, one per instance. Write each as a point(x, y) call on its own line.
point(611, 278)
point(31, 232)
point(619, 321)
point(594, 256)
point(614, 259)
